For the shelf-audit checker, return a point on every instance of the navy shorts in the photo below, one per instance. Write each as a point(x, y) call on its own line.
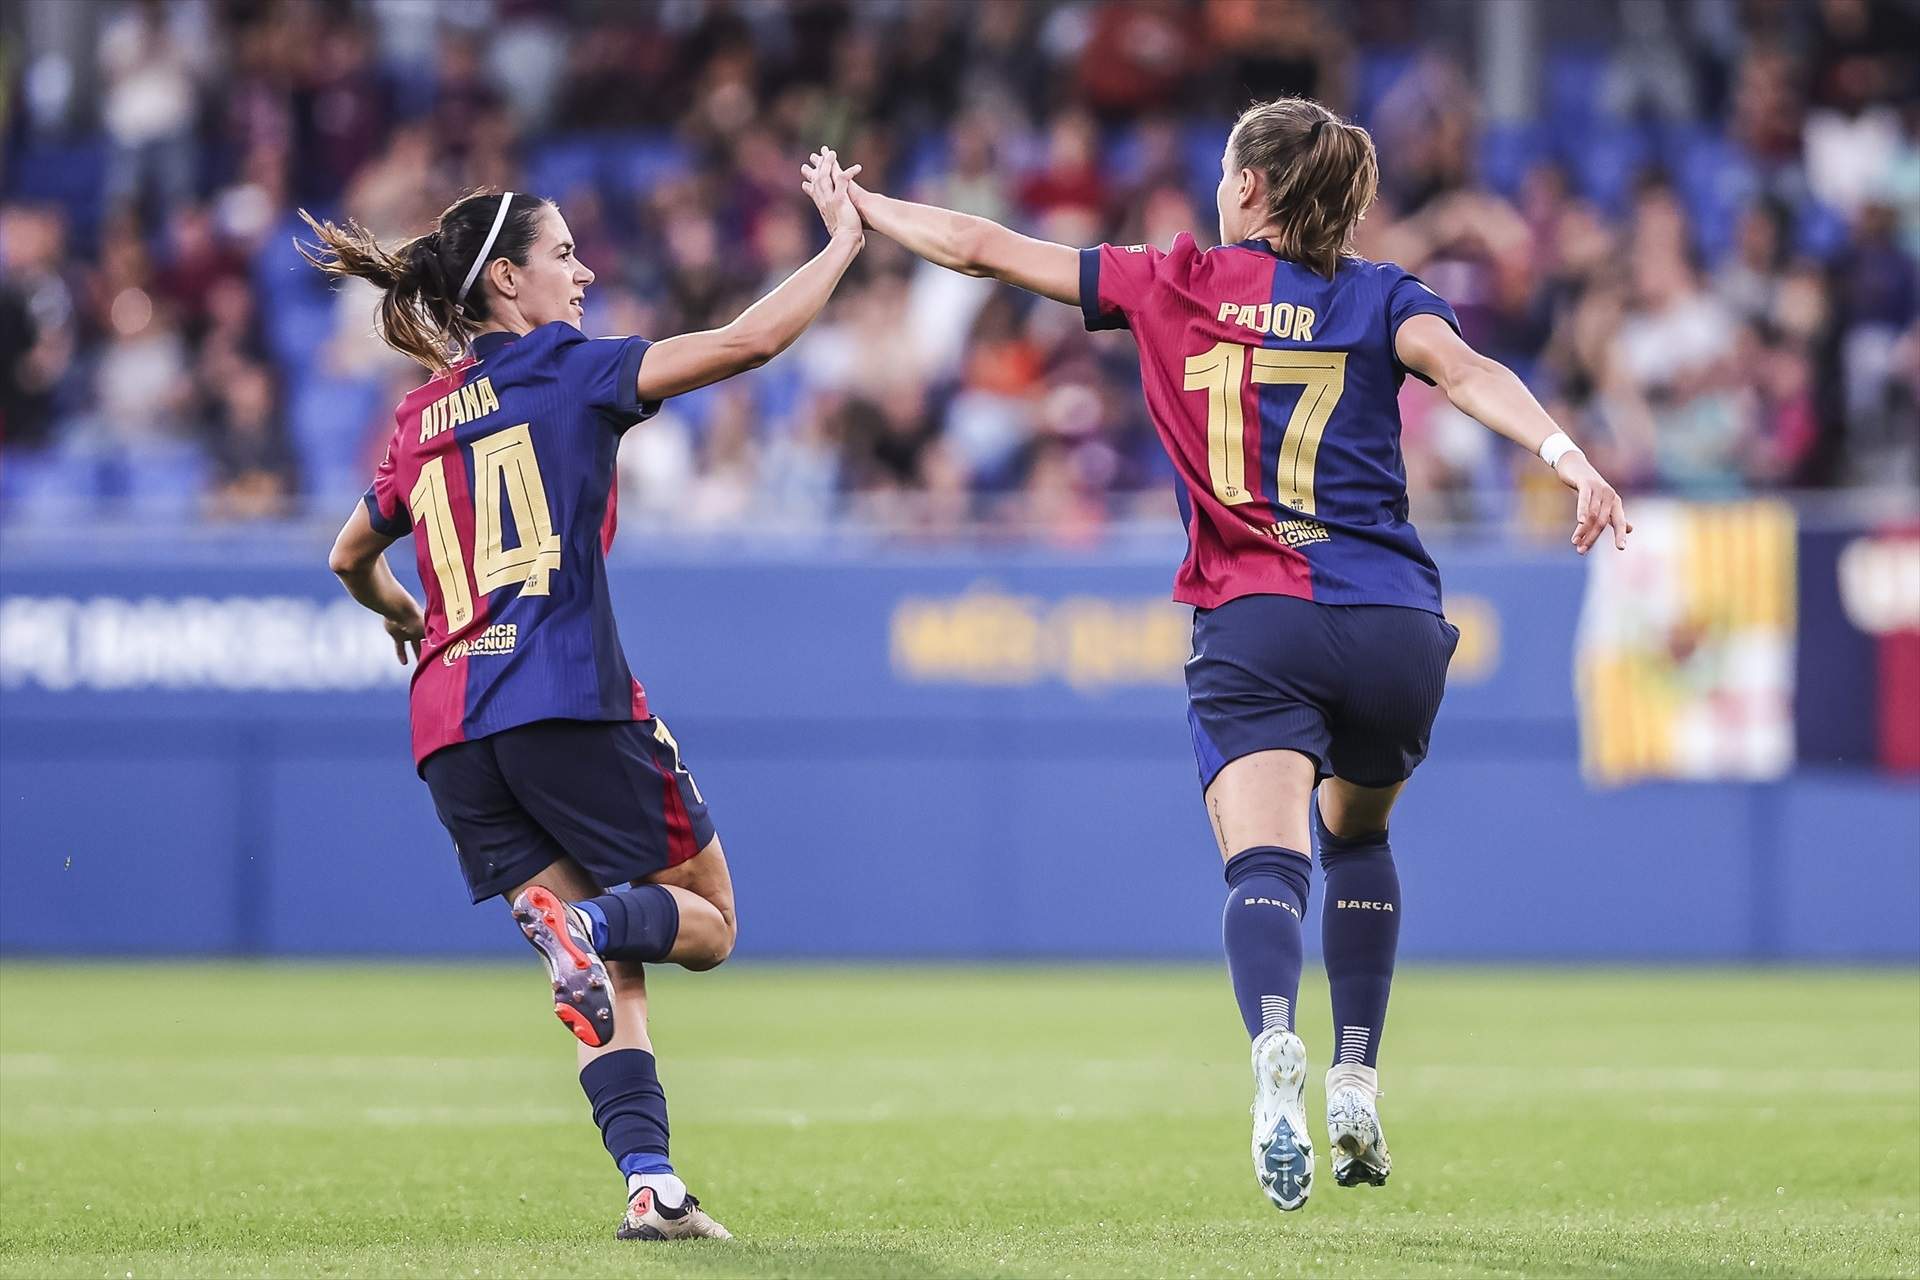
point(1355, 687)
point(610, 794)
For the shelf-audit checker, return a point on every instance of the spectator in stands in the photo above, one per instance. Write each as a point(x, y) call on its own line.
point(253, 467)
point(197, 261)
point(151, 72)
point(1750, 279)
point(1673, 382)
point(39, 310)
point(1879, 303)
point(1701, 345)
point(1137, 57)
point(1273, 48)
point(1070, 179)
point(348, 109)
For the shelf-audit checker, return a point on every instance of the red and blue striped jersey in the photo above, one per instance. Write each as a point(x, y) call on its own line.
point(1275, 392)
point(503, 470)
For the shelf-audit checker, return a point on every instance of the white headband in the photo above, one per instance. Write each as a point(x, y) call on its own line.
point(473, 273)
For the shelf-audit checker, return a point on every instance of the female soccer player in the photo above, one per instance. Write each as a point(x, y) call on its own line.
point(545, 764)
point(1271, 366)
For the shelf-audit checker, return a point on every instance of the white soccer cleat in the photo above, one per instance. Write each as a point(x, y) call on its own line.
point(1282, 1152)
point(647, 1220)
point(1353, 1127)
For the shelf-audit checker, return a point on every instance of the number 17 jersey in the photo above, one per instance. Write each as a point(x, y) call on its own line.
point(1275, 392)
point(502, 469)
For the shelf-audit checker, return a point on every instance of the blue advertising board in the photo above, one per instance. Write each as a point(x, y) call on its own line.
point(932, 755)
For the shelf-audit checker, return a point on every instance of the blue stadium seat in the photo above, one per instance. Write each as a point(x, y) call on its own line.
point(1121, 155)
point(1605, 162)
point(1714, 181)
point(164, 481)
point(329, 420)
point(69, 174)
point(1508, 151)
point(634, 166)
point(1575, 76)
point(1820, 230)
point(1380, 68)
point(45, 485)
point(1202, 142)
point(924, 158)
point(559, 166)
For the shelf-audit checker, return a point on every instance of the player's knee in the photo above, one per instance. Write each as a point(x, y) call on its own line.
point(1340, 830)
point(708, 941)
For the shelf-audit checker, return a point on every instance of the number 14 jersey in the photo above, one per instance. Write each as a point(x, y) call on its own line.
point(1275, 392)
point(502, 469)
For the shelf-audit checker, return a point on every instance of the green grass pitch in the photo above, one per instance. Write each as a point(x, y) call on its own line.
point(175, 1120)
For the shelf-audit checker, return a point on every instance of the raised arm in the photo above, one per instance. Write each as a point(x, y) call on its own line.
point(974, 246)
point(689, 361)
point(1485, 389)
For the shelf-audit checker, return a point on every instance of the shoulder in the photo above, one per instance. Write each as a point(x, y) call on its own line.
point(565, 342)
point(1385, 276)
point(556, 336)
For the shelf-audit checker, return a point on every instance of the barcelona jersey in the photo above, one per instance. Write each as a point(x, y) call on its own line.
point(1275, 392)
point(502, 469)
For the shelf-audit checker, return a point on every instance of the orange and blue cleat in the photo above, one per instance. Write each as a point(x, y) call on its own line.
point(582, 989)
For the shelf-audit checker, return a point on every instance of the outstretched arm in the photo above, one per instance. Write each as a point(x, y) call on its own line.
point(359, 560)
point(974, 246)
point(674, 366)
point(1485, 389)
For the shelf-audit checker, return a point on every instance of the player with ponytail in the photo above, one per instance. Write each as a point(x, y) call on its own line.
point(562, 790)
point(1271, 366)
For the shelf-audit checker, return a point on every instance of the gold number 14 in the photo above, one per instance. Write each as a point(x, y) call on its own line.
point(503, 462)
point(1221, 372)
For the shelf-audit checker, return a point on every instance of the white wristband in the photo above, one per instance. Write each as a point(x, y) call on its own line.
point(1556, 447)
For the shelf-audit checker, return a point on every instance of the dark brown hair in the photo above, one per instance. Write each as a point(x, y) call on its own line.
point(421, 312)
point(1320, 172)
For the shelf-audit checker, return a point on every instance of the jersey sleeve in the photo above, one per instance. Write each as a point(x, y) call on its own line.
point(1116, 281)
point(386, 508)
point(1408, 296)
point(605, 372)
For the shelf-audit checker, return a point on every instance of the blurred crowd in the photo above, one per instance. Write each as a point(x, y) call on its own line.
point(1699, 245)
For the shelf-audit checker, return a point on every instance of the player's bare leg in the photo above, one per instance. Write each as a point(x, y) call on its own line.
point(703, 888)
point(1258, 807)
point(1352, 830)
point(619, 1076)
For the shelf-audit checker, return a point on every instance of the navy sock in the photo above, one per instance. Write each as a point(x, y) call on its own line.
point(640, 923)
point(630, 1108)
point(1359, 935)
point(1266, 901)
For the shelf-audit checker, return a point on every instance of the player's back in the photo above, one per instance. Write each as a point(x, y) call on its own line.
point(503, 470)
point(1275, 391)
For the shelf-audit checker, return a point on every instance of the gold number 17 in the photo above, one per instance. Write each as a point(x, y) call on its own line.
point(1221, 372)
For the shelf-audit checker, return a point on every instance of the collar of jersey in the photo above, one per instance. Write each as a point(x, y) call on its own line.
point(488, 343)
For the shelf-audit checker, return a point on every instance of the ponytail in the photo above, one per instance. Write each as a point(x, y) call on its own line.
point(1321, 173)
point(422, 313)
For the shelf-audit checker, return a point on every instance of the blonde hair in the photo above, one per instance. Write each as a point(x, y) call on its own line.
point(1321, 173)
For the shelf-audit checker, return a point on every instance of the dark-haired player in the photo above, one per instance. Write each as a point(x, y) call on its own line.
point(560, 788)
point(1271, 366)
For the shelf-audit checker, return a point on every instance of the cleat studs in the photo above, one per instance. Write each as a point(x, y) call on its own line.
point(595, 983)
